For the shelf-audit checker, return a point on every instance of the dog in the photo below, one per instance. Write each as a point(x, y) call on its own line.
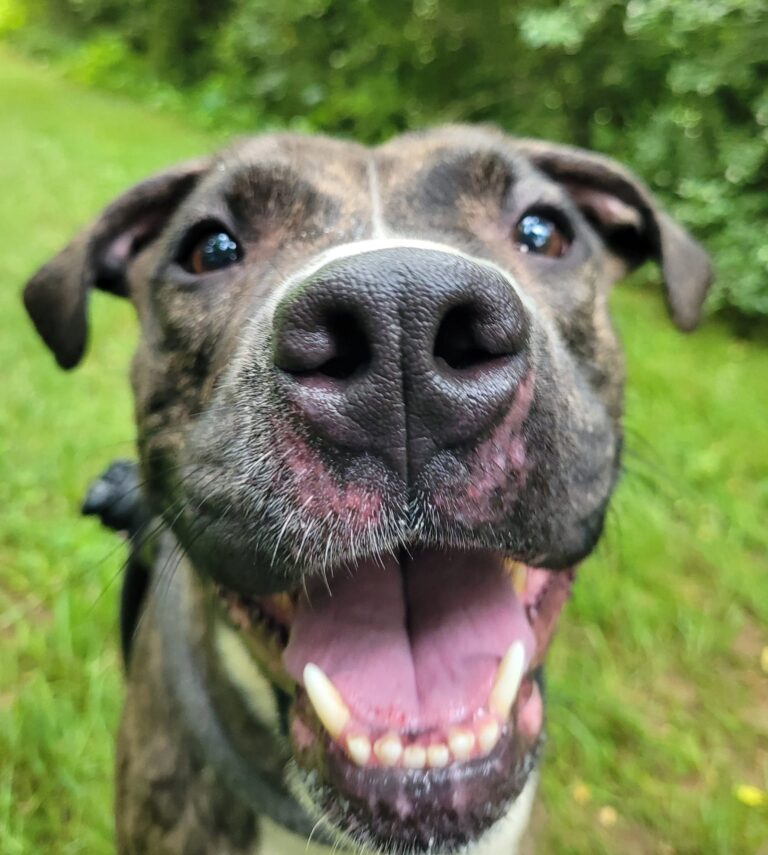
point(379, 399)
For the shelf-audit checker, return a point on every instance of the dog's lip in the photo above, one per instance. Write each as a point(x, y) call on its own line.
point(391, 792)
point(299, 649)
point(421, 810)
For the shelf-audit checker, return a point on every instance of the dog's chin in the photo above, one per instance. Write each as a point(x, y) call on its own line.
point(417, 713)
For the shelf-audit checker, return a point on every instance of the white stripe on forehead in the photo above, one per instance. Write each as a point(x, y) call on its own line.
point(378, 226)
point(382, 238)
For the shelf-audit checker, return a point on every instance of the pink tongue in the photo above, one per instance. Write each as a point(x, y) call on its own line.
point(413, 648)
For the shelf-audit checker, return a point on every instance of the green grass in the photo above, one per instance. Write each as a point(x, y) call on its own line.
point(658, 704)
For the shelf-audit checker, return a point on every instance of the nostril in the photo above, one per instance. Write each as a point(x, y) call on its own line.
point(344, 353)
point(459, 341)
point(352, 351)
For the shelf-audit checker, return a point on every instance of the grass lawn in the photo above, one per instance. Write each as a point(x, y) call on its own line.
point(658, 700)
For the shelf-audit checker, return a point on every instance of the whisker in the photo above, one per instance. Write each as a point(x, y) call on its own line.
point(137, 542)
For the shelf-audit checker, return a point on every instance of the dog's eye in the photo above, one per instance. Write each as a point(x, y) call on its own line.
point(539, 234)
point(214, 250)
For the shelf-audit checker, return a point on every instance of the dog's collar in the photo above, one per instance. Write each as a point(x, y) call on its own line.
point(185, 678)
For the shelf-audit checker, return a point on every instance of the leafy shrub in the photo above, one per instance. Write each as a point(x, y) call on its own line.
point(676, 88)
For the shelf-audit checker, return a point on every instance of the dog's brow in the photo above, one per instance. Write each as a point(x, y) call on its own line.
point(271, 180)
point(472, 171)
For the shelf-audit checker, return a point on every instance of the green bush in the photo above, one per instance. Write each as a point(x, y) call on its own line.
point(676, 88)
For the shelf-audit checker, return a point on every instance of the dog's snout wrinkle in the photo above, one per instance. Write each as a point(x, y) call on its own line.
point(400, 352)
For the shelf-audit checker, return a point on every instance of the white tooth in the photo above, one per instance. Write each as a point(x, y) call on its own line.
point(488, 736)
point(359, 749)
point(461, 742)
point(507, 682)
point(516, 570)
point(388, 749)
point(438, 756)
point(325, 698)
point(415, 757)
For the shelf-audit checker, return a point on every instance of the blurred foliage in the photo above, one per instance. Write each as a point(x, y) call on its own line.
point(676, 88)
point(657, 682)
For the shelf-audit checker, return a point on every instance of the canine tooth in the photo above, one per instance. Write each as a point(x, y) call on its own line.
point(516, 571)
point(415, 757)
point(325, 698)
point(507, 682)
point(488, 736)
point(438, 756)
point(461, 742)
point(359, 749)
point(388, 749)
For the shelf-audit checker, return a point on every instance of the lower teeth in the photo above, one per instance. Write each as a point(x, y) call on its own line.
point(462, 744)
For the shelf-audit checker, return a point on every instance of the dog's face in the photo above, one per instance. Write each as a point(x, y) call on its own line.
point(379, 398)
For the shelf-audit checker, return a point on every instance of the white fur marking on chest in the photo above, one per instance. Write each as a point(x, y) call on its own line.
point(505, 836)
point(244, 674)
point(275, 840)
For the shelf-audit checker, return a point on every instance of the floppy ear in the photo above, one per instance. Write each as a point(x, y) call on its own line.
point(633, 225)
point(56, 297)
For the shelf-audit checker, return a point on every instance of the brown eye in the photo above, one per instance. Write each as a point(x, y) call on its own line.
point(538, 234)
point(215, 250)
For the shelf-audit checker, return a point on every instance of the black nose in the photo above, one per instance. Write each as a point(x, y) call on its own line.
point(401, 352)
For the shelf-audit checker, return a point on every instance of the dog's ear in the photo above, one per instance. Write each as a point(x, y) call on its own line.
point(56, 297)
point(631, 222)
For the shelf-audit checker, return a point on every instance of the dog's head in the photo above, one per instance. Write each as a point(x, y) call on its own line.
point(379, 398)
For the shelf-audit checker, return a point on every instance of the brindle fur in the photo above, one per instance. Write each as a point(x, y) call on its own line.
point(202, 752)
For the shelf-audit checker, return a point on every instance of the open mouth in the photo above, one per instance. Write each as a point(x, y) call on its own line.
point(417, 713)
